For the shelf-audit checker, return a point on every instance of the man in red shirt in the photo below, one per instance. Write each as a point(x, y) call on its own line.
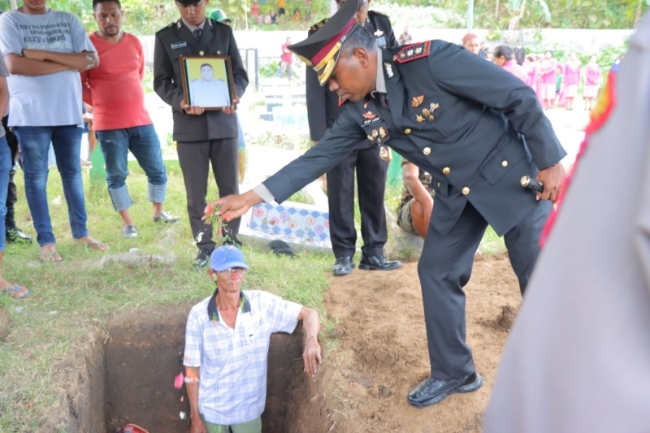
point(285, 64)
point(121, 120)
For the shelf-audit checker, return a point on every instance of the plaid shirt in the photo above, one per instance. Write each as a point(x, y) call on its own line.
point(233, 362)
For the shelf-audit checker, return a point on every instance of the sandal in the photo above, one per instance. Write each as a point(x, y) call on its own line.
point(16, 289)
point(97, 246)
point(50, 257)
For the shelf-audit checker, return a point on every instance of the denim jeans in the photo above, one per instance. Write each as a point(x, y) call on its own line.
point(34, 142)
point(5, 167)
point(143, 142)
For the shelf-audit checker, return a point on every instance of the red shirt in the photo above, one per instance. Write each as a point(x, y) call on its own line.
point(286, 57)
point(113, 88)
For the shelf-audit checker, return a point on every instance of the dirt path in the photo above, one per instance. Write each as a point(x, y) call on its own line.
point(382, 349)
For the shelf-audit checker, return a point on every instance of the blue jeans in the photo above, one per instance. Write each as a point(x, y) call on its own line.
point(34, 144)
point(143, 142)
point(5, 167)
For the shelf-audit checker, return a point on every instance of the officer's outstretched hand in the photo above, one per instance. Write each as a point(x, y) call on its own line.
point(193, 111)
point(552, 179)
point(234, 206)
point(232, 108)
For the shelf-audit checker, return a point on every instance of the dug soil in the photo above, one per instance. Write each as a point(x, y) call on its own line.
point(380, 352)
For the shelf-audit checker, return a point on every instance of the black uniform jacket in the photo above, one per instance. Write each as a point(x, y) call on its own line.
point(177, 40)
point(322, 105)
point(476, 128)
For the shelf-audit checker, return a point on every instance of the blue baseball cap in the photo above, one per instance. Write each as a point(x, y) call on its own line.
point(227, 256)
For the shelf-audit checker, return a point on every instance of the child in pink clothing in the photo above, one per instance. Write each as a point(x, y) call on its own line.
point(571, 80)
point(592, 80)
point(548, 74)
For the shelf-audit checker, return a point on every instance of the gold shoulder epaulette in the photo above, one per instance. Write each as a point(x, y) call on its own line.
point(412, 52)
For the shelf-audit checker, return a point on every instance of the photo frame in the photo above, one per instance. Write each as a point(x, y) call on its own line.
point(207, 81)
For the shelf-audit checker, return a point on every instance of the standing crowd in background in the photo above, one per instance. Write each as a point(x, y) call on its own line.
point(556, 82)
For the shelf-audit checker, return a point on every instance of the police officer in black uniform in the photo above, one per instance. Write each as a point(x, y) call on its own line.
point(202, 136)
point(474, 127)
point(323, 107)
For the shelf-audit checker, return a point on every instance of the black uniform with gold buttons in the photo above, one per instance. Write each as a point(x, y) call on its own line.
point(463, 120)
point(211, 136)
point(323, 108)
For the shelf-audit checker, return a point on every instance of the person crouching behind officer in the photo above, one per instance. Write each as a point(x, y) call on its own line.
point(227, 346)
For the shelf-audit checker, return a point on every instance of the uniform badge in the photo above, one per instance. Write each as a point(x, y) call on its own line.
point(178, 45)
point(378, 33)
point(426, 112)
point(419, 118)
point(365, 104)
point(389, 70)
point(433, 107)
point(382, 132)
point(371, 138)
point(416, 101)
point(385, 153)
point(369, 115)
point(412, 52)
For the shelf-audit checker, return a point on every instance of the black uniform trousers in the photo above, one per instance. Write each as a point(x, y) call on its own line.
point(12, 195)
point(371, 183)
point(445, 268)
point(195, 158)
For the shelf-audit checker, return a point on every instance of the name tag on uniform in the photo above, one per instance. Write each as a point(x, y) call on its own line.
point(178, 45)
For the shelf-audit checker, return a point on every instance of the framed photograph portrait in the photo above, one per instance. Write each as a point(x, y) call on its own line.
point(207, 81)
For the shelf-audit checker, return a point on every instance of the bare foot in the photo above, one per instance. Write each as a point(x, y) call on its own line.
point(94, 244)
point(14, 290)
point(48, 253)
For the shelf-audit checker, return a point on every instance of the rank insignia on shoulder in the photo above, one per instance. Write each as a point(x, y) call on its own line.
point(412, 52)
point(318, 25)
point(389, 70)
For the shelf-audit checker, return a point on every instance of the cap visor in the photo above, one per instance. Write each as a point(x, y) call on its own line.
point(225, 266)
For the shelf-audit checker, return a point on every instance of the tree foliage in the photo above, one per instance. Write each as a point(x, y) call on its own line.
point(147, 16)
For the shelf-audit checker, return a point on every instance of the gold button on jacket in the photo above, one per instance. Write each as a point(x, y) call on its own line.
point(446, 170)
point(426, 150)
point(407, 131)
point(465, 190)
point(504, 164)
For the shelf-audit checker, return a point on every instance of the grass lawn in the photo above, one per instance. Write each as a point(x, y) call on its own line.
point(68, 295)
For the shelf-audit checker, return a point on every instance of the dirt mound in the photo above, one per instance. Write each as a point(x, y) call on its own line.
point(381, 350)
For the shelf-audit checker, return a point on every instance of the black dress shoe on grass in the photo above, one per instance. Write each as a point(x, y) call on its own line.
point(203, 258)
point(378, 263)
point(14, 235)
point(432, 391)
point(343, 266)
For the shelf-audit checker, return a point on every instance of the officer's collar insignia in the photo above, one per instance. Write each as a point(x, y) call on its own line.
point(389, 70)
point(417, 101)
point(369, 115)
point(412, 52)
point(378, 33)
point(365, 104)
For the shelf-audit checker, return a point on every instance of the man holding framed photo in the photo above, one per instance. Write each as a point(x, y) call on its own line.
point(203, 136)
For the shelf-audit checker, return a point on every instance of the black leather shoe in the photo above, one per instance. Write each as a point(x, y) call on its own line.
point(14, 235)
point(378, 263)
point(343, 266)
point(433, 391)
point(203, 257)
